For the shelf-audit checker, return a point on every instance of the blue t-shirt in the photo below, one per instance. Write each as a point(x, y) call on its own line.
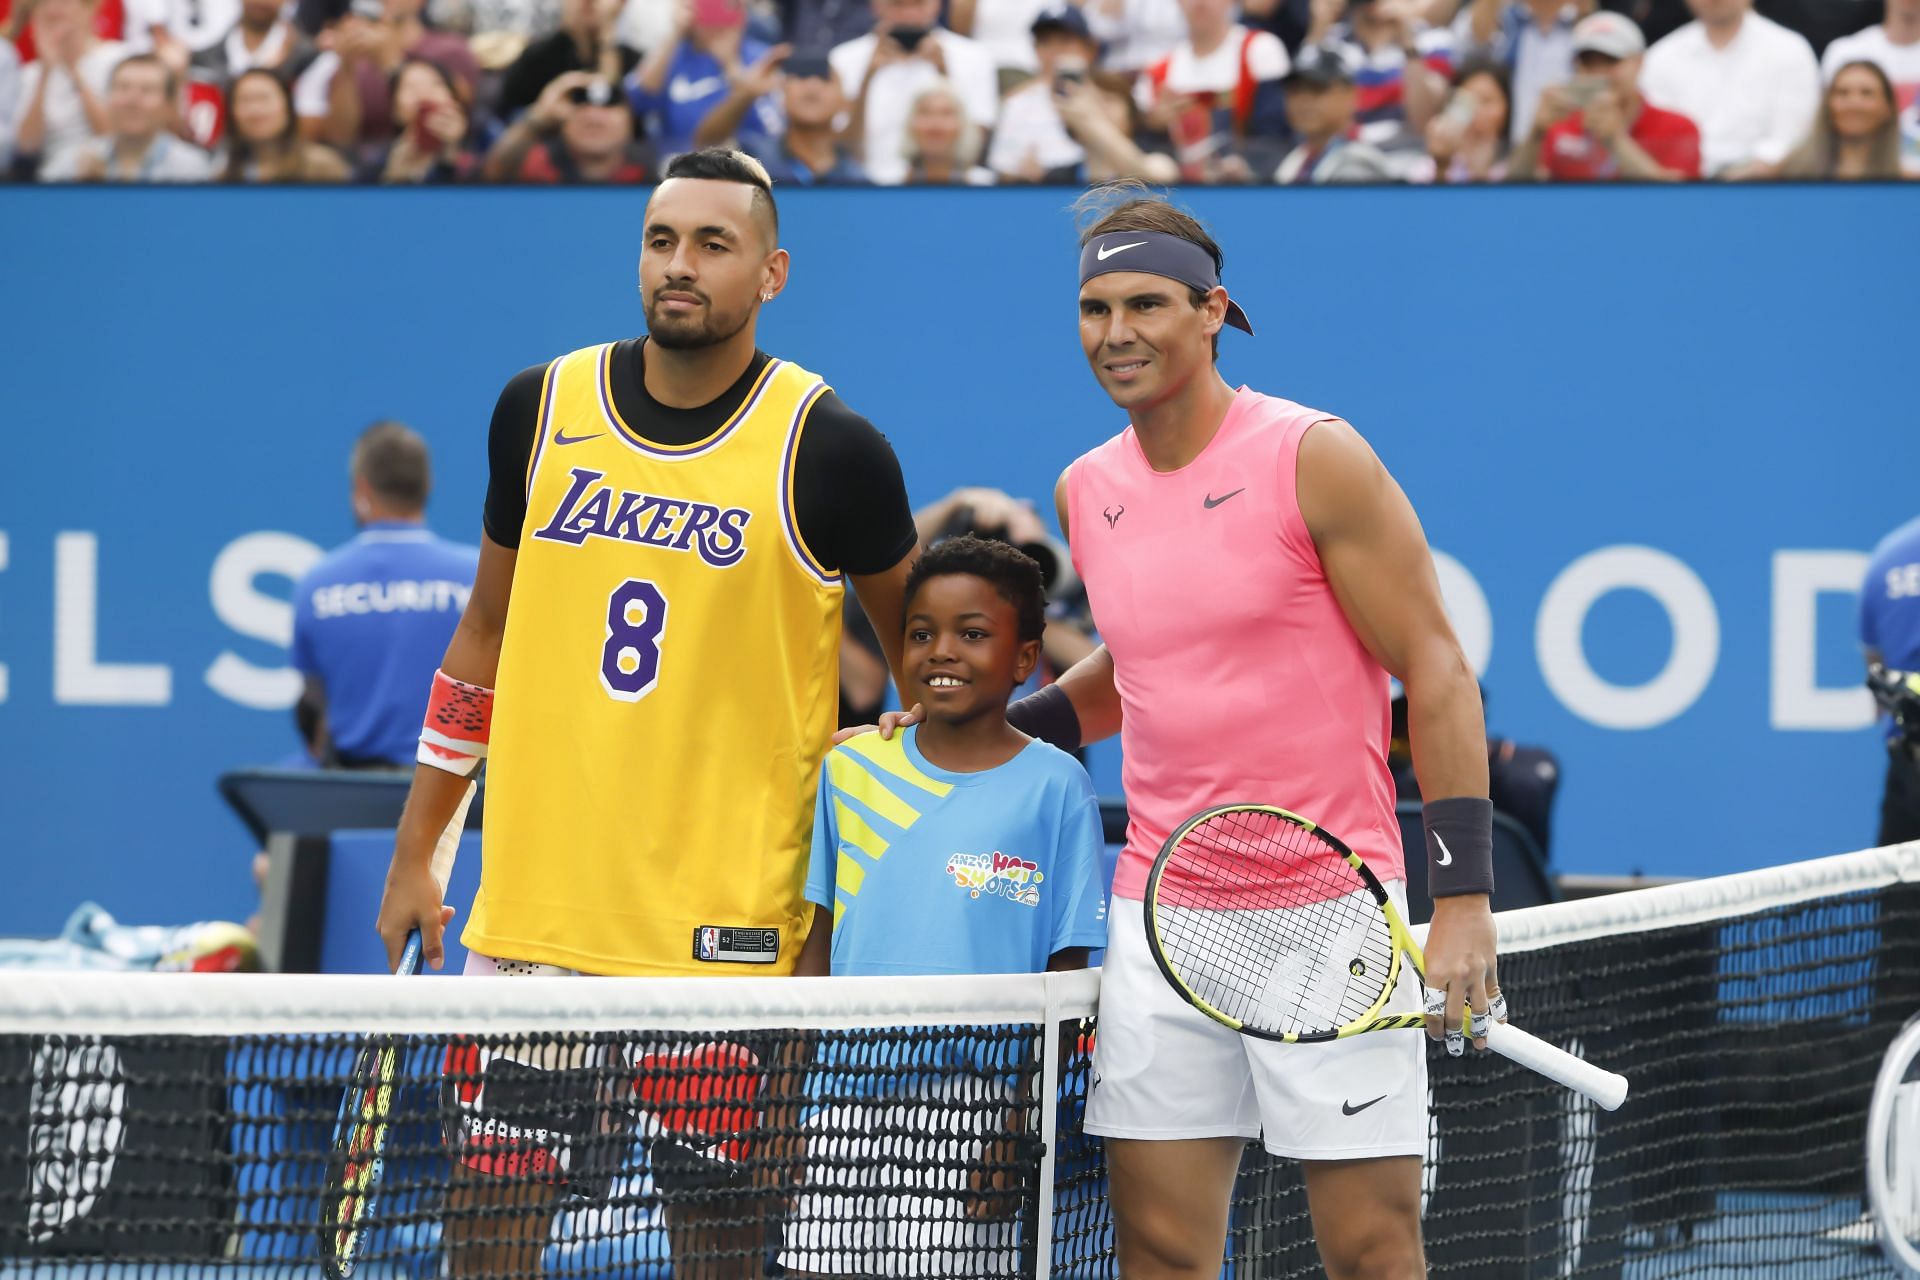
point(930, 871)
point(371, 622)
point(696, 83)
point(1890, 602)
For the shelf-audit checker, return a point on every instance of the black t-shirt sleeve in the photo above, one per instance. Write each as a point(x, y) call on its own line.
point(516, 419)
point(848, 494)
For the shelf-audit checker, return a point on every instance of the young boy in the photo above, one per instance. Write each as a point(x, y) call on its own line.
point(959, 846)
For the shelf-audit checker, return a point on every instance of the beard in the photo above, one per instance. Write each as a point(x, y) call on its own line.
point(690, 333)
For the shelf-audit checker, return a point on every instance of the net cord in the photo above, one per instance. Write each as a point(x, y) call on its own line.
point(1699, 901)
point(38, 1002)
point(53, 1003)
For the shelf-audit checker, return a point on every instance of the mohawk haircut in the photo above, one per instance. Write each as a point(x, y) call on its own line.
point(1013, 574)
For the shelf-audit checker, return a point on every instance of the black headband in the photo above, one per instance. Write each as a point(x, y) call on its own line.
point(1160, 254)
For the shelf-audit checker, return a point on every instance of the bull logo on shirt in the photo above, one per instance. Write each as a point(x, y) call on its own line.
point(997, 875)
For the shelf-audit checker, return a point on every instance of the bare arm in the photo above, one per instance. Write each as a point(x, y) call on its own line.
point(884, 596)
point(1088, 684)
point(1484, 21)
point(651, 74)
point(1380, 569)
point(412, 900)
point(816, 953)
point(32, 132)
point(342, 125)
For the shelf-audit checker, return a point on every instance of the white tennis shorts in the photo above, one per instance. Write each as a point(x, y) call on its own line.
point(886, 1188)
point(1162, 1070)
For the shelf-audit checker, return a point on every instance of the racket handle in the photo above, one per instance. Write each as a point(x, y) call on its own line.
point(1530, 1051)
point(409, 956)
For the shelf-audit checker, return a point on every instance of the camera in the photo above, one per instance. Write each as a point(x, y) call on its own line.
point(909, 38)
point(596, 93)
point(1056, 564)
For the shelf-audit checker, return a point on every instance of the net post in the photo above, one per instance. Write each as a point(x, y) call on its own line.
point(1049, 1085)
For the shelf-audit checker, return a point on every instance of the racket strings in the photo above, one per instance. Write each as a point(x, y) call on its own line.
point(1268, 923)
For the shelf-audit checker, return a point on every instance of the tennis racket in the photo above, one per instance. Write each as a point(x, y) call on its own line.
point(1267, 923)
point(360, 1133)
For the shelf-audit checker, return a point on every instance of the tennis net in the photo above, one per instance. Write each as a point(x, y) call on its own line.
point(181, 1125)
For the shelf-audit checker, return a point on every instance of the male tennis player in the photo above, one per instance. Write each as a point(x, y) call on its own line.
point(1255, 574)
point(648, 661)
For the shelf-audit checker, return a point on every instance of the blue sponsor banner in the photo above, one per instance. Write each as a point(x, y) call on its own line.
point(1652, 434)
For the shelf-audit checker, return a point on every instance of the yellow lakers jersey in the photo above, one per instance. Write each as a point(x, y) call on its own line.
point(667, 688)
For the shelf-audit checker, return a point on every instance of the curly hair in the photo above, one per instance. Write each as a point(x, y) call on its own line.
point(1013, 574)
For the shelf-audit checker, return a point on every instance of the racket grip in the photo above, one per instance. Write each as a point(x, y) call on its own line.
point(1556, 1064)
point(410, 956)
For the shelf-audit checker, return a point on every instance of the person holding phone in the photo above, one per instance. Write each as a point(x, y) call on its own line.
point(1032, 141)
point(1467, 141)
point(887, 69)
point(579, 131)
point(1597, 127)
point(430, 129)
point(683, 79)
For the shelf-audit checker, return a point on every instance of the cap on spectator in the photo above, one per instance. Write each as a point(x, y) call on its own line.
point(1063, 17)
point(1609, 34)
point(808, 66)
point(1320, 64)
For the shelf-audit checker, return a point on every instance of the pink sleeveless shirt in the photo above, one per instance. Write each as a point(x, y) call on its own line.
point(1240, 680)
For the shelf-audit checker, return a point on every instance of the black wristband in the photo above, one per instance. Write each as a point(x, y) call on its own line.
point(1049, 716)
point(1459, 846)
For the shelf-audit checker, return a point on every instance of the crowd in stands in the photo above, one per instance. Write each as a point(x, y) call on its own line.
point(962, 92)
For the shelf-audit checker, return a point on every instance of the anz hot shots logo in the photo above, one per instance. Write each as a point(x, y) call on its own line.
point(996, 875)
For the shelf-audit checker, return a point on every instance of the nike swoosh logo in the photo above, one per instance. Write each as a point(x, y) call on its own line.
point(1446, 855)
point(1348, 1109)
point(560, 437)
point(682, 92)
point(1211, 502)
point(1103, 253)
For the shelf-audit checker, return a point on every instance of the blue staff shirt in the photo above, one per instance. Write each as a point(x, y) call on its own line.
point(371, 622)
point(1890, 602)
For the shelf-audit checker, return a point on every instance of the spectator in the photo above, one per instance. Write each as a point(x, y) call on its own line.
point(1004, 29)
point(9, 100)
point(886, 69)
point(138, 147)
point(816, 26)
point(943, 145)
point(683, 79)
point(1323, 107)
point(580, 131)
point(263, 138)
point(491, 26)
point(261, 38)
point(1031, 139)
point(1893, 45)
point(1857, 133)
point(372, 620)
point(1136, 33)
point(1218, 88)
point(586, 41)
point(63, 94)
point(1534, 38)
point(1751, 85)
point(1401, 66)
point(1468, 141)
point(1890, 634)
point(809, 152)
point(372, 44)
point(1103, 118)
point(1598, 127)
point(429, 129)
